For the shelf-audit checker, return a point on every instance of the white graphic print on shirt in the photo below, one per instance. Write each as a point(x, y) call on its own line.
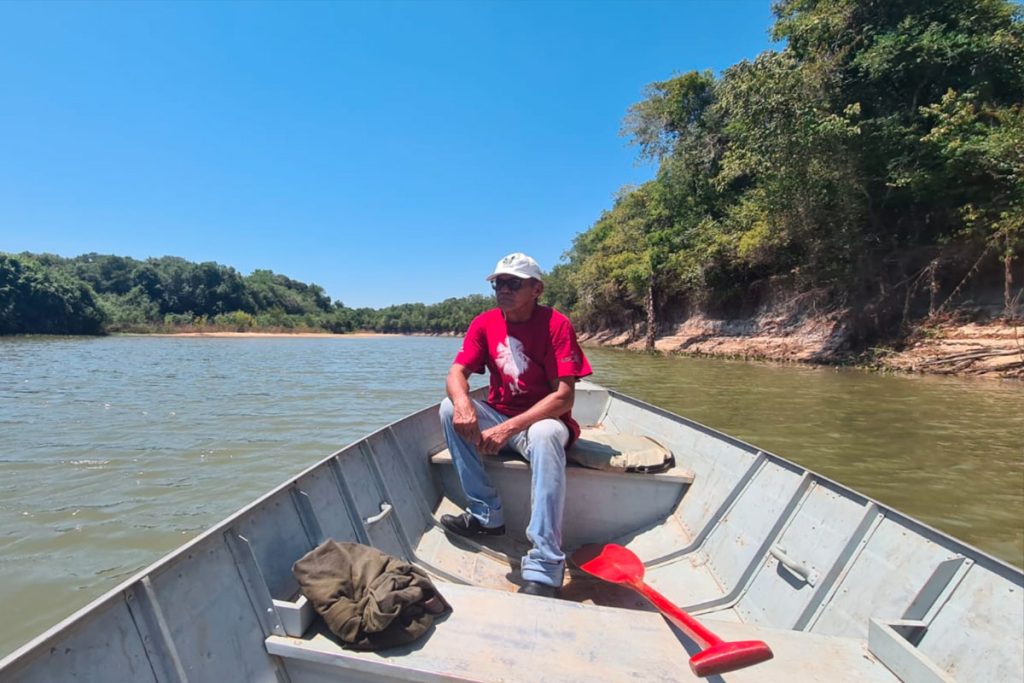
point(512, 362)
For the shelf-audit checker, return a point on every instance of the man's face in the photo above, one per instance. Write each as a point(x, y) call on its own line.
point(514, 293)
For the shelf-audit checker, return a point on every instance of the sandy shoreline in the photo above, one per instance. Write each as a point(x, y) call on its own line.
point(260, 335)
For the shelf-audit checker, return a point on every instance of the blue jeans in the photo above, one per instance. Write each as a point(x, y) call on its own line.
point(543, 446)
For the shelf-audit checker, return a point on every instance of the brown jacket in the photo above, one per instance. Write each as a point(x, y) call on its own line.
point(369, 599)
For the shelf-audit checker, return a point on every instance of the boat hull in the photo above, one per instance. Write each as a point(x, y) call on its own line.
point(762, 547)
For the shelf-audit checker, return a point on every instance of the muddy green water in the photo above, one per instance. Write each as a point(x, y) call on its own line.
point(114, 451)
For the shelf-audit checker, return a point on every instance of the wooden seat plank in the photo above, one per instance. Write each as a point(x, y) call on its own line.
point(494, 636)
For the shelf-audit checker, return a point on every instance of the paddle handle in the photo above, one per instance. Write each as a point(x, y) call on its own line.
point(690, 626)
point(616, 564)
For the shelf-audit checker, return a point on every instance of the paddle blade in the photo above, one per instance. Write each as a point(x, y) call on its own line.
point(724, 657)
point(610, 562)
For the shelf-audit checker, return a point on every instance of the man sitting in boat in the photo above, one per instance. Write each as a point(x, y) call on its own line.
point(534, 361)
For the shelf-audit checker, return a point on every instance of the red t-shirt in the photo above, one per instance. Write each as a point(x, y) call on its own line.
point(524, 359)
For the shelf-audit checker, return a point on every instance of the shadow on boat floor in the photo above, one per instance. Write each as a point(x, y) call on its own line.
point(493, 562)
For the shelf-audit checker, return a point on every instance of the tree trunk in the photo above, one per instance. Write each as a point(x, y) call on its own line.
point(933, 287)
point(649, 340)
point(1008, 279)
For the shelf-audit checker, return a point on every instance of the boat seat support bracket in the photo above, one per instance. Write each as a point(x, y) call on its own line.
point(888, 641)
point(310, 522)
point(255, 585)
point(152, 627)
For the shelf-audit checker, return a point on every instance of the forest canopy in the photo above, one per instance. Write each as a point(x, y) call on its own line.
point(95, 293)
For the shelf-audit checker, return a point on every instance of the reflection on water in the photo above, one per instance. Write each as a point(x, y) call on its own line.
point(117, 450)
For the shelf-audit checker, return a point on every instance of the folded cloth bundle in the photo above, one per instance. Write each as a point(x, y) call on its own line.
point(369, 599)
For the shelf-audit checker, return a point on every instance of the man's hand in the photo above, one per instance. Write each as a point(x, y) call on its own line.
point(492, 440)
point(465, 421)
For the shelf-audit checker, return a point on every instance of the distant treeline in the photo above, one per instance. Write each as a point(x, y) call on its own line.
point(95, 294)
point(877, 159)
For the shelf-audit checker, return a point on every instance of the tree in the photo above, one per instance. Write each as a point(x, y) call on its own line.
point(37, 300)
point(625, 262)
point(671, 111)
point(836, 163)
point(983, 148)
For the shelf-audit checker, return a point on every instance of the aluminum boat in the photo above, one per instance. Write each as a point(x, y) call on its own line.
point(841, 587)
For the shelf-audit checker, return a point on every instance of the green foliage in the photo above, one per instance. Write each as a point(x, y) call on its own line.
point(93, 293)
point(131, 312)
point(895, 61)
point(239, 321)
point(35, 299)
point(451, 315)
point(983, 145)
point(883, 136)
point(559, 292)
point(269, 290)
point(672, 110)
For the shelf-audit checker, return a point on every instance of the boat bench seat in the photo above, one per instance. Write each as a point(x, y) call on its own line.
point(497, 636)
point(512, 461)
point(599, 505)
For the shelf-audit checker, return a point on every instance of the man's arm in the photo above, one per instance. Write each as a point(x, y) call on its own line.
point(465, 420)
point(555, 404)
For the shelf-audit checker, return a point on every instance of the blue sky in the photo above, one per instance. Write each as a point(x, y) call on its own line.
point(389, 152)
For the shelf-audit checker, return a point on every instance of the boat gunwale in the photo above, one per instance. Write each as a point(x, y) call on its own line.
point(883, 508)
point(182, 550)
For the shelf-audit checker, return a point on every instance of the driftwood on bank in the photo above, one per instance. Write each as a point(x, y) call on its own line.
point(999, 352)
point(970, 356)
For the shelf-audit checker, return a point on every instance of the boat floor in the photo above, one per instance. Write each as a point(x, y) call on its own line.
point(493, 562)
point(497, 636)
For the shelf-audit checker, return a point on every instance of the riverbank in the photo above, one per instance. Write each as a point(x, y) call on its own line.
point(991, 349)
point(994, 349)
point(260, 335)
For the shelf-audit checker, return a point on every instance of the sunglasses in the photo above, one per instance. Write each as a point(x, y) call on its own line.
point(510, 283)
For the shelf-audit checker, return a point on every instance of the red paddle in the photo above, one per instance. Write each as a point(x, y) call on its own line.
point(616, 564)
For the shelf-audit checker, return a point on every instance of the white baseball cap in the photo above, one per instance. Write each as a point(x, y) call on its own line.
point(517, 264)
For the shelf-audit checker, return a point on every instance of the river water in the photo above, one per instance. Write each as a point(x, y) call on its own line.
point(116, 450)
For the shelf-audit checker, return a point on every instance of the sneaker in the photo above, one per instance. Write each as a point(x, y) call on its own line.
point(469, 526)
point(541, 590)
